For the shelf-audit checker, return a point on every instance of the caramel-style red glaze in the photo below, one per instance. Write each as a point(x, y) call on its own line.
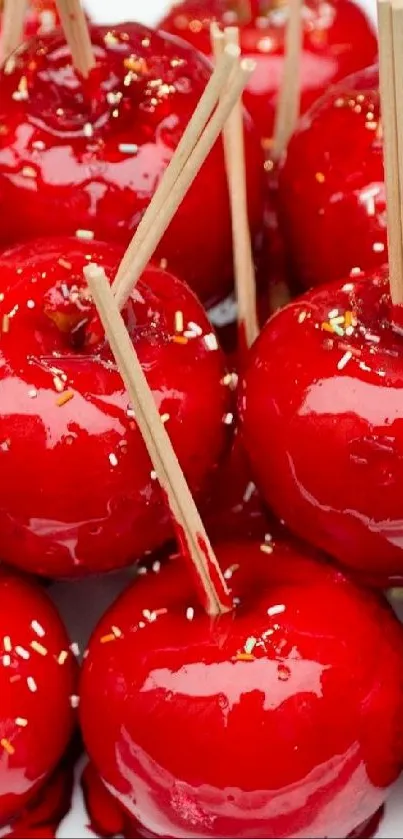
point(37, 690)
point(322, 413)
point(78, 493)
point(283, 718)
point(90, 156)
point(332, 205)
point(338, 40)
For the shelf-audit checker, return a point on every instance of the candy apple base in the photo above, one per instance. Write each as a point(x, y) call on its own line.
point(322, 416)
point(57, 372)
point(287, 642)
point(338, 39)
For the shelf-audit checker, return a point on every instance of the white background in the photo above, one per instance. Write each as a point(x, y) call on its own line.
point(101, 592)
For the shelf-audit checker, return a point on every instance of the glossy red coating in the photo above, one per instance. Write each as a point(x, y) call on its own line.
point(41, 17)
point(77, 493)
point(331, 185)
point(322, 412)
point(37, 683)
point(90, 157)
point(338, 40)
point(283, 718)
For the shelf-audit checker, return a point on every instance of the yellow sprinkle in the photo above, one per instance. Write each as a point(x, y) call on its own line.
point(337, 320)
point(266, 549)
point(327, 327)
point(28, 172)
point(65, 397)
point(348, 318)
point(21, 721)
point(243, 657)
point(65, 264)
point(178, 321)
point(165, 417)
point(179, 339)
point(7, 643)
point(39, 648)
point(63, 656)
point(7, 746)
point(58, 383)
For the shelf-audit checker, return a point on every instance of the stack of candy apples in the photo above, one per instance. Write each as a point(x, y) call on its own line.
point(249, 681)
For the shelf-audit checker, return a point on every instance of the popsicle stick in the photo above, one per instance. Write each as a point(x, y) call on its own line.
point(166, 465)
point(12, 30)
point(288, 106)
point(77, 35)
point(191, 135)
point(141, 255)
point(234, 148)
point(389, 107)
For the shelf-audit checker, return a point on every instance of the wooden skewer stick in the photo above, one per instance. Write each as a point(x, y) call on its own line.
point(77, 35)
point(12, 27)
point(184, 149)
point(204, 563)
point(236, 174)
point(141, 255)
point(288, 106)
point(389, 105)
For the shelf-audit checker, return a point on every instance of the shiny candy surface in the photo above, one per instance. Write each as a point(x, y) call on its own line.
point(77, 156)
point(78, 493)
point(338, 39)
point(322, 411)
point(281, 719)
point(331, 185)
point(37, 692)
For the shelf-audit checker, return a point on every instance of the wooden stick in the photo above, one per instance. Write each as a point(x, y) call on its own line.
point(234, 148)
point(143, 254)
point(182, 153)
point(77, 35)
point(390, 149)
point(288, 106)
point(12, 32)
point(204, 563)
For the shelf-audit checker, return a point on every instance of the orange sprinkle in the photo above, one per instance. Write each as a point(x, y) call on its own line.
point(327, 327)
point(63, 656)
point(107, 638)
point(179, 339)
point(243, 657)
point(7, 746)
point(65, 397)
point(348, 318)
point(65, 264)
point(5, 326)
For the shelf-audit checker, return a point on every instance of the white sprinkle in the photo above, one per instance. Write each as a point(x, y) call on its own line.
point(302, 316)
point(268, 537)
point(230, 571)
point(75, 649)
point(348, 287)
point(30, 304)
point(276, 610)
point(130, 413)
point(190, 613)
point(333, 314)
point(38, 628)
point(22, 653)
point(378, 247)
point(365, 367)
point(355, 272)
point(32, 686)
point(142, 571)
point(156, 566)
point(153, 475)
point(116, 631)
point(74, 700)
point(38, 145)
point(344, 360)
point(63, 656)
point(195, 327)
point(228, 419)
point(210, 341)
point(236, 601)
point(88, 130)
point(32, 393)
point(128, 148)
point(266, 549)
point(6, 660)
point(21, 721)
point(113, 460)
point(165, 417)
point(85, 235)
point(250, 488)
point(141, 625)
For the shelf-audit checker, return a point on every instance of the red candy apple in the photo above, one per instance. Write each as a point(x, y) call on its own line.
point(252, 724)
point(331, 187)
point(77, 156)
point(37, 692)
point(77, 493)
point(338, 39)
point(322, 412)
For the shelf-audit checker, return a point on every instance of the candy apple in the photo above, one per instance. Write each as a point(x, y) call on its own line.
point(331, 197)
point(78, 493)
point(322, 413)
point(338, 39)
point(37, 690)
point(282, 718)
point(89, 156)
